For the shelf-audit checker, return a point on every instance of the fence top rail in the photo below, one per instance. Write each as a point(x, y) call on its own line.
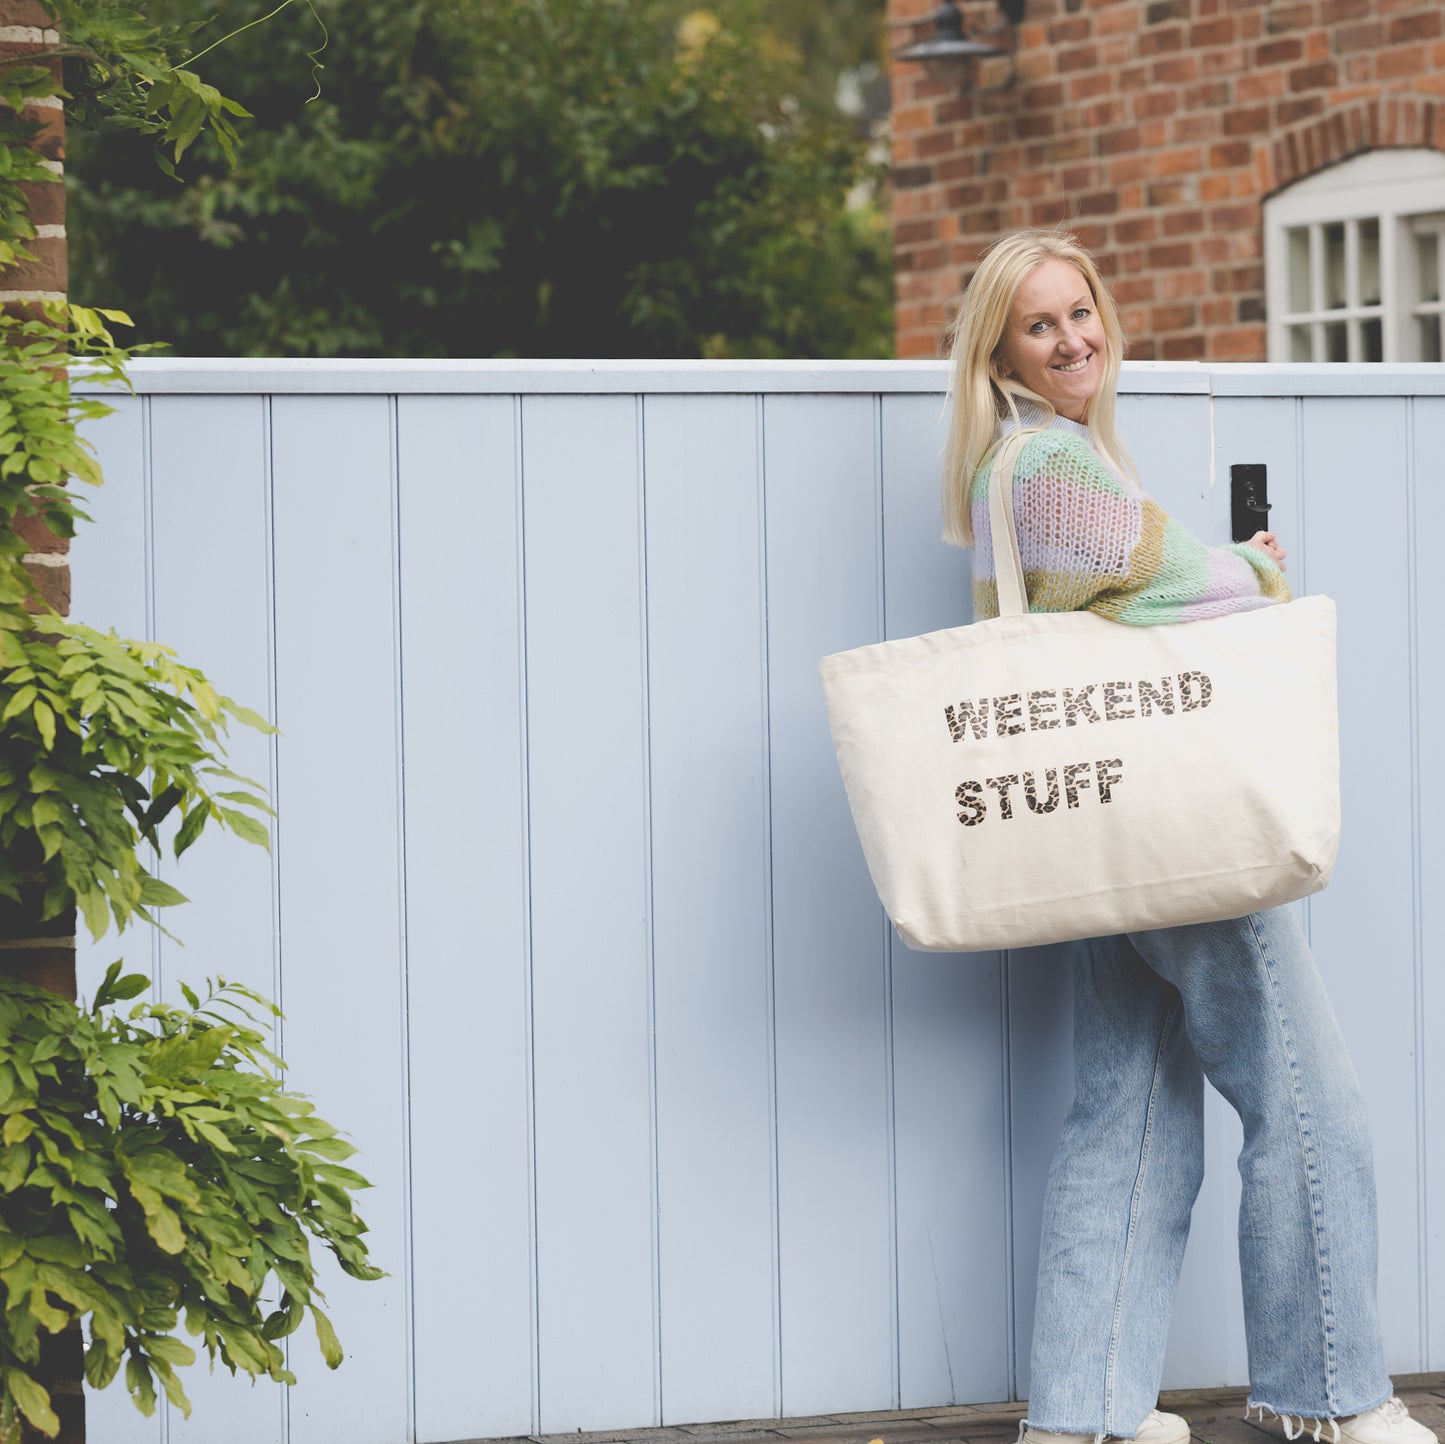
point(511, 376)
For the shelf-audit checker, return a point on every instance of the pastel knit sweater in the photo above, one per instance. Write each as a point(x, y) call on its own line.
point(1089, 538)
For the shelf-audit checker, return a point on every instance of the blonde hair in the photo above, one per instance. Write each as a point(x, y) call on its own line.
point(982, 395)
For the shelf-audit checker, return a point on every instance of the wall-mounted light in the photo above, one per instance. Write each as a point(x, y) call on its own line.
point(948, 53)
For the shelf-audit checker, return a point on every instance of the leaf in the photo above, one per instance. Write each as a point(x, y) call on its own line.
point(172, 1386)
point(56, 1248)
point(18, 1127)
point(18, 703)
point(334, 1149)
point(155, 893)
point(161, 1172)
point(164, 1225)
point(214, 1136)
point(14, 1165)
point(190, 829)
point(247, 800)
point(326, 1337)
point(44, 723)
point(246, 827)
point(170, 1350)
point(130, 986)
point(43, 1312)
point(103, 993)
point(285, 1320)
point(33, 1401)
point(92, 907)
point(249, 717)
point(236, 777)
point(101, 1364)
point(142, 1387)
point(344, 1176)
point(162, 806)
point(76, 1287)
point(116, 989)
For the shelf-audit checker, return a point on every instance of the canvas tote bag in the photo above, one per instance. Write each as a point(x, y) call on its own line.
point(1033, 778)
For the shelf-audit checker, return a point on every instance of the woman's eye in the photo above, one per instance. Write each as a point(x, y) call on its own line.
point(1037, 329)
point(1081, 313)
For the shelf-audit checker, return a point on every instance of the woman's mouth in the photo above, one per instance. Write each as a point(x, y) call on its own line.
point(1075, 365)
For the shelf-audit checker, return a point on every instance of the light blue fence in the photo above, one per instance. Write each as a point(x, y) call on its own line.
point(566, 911)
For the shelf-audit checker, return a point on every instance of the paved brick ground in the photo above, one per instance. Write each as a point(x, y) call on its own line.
point(1215, 1417)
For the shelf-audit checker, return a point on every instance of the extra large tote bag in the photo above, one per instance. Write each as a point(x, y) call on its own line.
point(1039, 777)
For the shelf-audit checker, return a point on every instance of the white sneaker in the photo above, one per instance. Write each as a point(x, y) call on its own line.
point(1161, 1428)
point(1157, 1428)
point(1390, 1423)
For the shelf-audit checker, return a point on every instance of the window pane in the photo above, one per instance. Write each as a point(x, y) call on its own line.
point(1300, 348)
point(1429, 337)
point(1299, 270)
point(1334, 239)
point(1370, 265)
point(1427, 262)
point(1372, 344)
point(1337, 346)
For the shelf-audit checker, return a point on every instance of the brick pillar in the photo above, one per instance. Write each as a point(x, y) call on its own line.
point(24, 30)
point(43, 953)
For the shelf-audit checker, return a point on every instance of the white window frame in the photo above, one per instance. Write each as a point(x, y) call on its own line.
point(1404, 190)
point(1435, 225)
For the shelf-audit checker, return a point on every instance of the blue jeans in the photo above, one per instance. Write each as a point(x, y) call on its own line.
point(1239, 1002)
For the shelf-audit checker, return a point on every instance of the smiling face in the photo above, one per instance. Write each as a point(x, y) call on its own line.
point(1054, 341)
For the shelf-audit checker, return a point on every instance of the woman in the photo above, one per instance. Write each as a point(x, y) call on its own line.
point(1037, 345)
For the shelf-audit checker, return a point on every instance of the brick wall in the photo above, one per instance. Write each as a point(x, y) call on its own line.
point(1154, 129)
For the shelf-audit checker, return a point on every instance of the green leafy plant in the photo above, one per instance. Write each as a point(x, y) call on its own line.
point(104, 737)
point(154, 1172)
point(130, 71)
point(90, 718)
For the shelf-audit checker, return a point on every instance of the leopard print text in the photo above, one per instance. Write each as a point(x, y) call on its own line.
point(1049, 707)
point(1101, 777)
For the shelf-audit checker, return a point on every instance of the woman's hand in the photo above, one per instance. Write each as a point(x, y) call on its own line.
point(1266, 543)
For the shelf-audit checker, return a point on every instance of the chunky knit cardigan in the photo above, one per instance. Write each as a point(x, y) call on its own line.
point(1089, 538)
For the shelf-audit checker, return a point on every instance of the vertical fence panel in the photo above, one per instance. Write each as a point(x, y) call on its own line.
point(948, 1058)
point(1040, 993)
point(1362, 924)
point(1429, 607)
point(110, 568)
point(110, 587)
point(211, 588)
point(1263, 430)
point(465, 914)
point(108, 558)
point(589, 868)
point(828, 929)
point(707, 707)
point(341, 950)
point(1168, 436)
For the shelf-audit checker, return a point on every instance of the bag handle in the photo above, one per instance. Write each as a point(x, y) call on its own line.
point(1008, 567)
